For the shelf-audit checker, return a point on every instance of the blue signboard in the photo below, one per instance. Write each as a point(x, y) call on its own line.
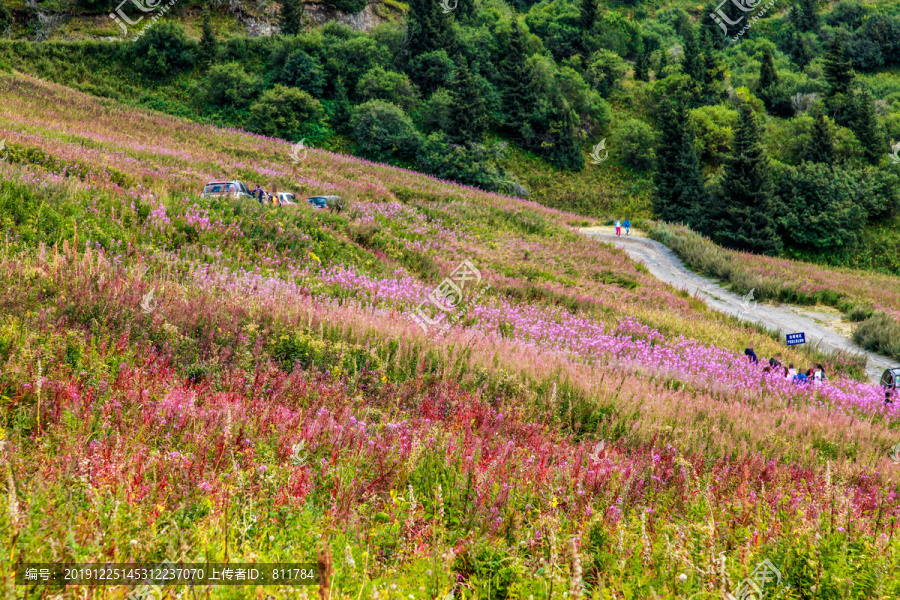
point(794, 339)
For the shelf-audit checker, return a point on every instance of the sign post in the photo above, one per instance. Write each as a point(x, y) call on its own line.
point(794, 339)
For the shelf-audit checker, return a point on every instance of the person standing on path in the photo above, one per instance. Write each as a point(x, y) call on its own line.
point(627, 225)
point(618, 229)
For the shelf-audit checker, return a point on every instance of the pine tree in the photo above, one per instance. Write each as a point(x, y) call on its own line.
point(343, 110)
point(429, 28)
point(290, 20)
point(519, 99)
point(712, 77)
point(680, 195)
point(865, 126)
point(464, 10)
point(745, 219)
point(663, 63)
point(558, 145)
point(768, 76)
point(586, 19)
point(692, 61)
point(821, 145)
point(209, 45)
point(642, 66)
point(837, 70)
point(468, 111)
point(805, 15)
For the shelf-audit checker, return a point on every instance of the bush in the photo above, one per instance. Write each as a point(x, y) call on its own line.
point(432, 70)
point(879, 333)
point(634, 141)
point(348, 6)
point(396, 88)
point(303, 72)
point(164, 49)
point(435, 113)
point(383, 131)
point(285, 112)
point(470, 164)
point(229, 85)
point(605, 71)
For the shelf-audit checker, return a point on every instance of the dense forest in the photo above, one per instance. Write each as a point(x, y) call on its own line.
point(774, 138)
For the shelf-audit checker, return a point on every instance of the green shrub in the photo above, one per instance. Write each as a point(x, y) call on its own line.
point(286, 112)
point(164, 49)
point(303, 71)
point(634, 142)
point(230, 84)
point(435, 112)
point(384, 131)
point(396, 88)
point(879, 333)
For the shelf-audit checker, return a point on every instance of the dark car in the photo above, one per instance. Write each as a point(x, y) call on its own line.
point(318, 201)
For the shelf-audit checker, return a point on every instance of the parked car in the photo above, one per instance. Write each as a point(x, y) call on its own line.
point(318, 201)
point(286, 198)
point(333, 203)
point(233, 189)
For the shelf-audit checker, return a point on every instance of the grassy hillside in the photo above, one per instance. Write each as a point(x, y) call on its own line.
point(192, 379)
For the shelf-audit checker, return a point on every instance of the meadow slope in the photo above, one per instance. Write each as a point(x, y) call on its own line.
point(185, 378)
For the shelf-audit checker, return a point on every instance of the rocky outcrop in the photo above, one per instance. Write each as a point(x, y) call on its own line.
point(365, 20)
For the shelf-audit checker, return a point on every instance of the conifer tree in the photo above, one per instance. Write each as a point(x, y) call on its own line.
point(712, 76)
point(805, 16)
point(468, 110)
point(519, 99)
point(663, 63)
point(680, 196)
point(692, 61)
point(209, 45)
point(768, 76)
point(865, 126)
point(464, 10)
point(837, 69)
point(642, 66)
point(428, 28)
point(290, 21)
point(745, 215)
point(821, 145)
point(586, 19)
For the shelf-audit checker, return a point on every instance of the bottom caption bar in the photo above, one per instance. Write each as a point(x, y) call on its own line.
point(167, 573)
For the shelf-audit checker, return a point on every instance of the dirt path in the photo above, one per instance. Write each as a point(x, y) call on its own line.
point(666, 266)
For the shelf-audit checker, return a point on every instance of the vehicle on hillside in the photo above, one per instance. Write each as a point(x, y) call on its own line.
point(232, 189)
point(332, 203)
point(286, 198)
point(318, 201)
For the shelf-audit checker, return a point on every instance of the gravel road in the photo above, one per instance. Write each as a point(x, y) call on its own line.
point(667, 267)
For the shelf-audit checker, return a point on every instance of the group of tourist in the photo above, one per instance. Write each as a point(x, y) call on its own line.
point(814, 373)
point(266, 198)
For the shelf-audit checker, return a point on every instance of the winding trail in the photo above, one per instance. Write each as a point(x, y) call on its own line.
point(667, 267)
